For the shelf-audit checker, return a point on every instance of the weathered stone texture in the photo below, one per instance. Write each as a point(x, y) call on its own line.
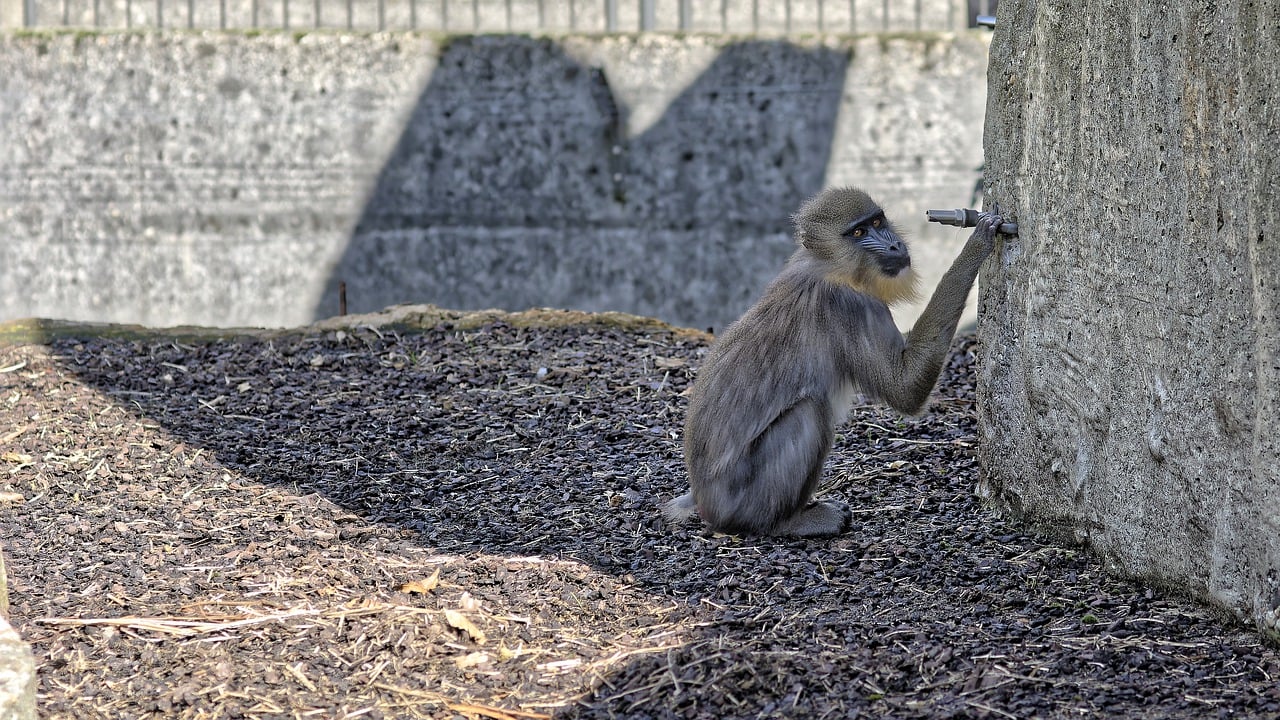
point(1130, 376)
point(17, 676)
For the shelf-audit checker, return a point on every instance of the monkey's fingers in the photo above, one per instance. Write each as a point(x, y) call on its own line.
point(998, 222)
point(989, 222)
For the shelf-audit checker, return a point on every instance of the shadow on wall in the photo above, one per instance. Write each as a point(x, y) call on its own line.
point(513, 185)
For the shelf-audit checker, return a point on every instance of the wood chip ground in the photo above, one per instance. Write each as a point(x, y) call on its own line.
point(461, 523)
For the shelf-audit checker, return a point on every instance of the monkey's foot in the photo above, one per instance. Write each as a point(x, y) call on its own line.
point(680, 510)
point(819, 519)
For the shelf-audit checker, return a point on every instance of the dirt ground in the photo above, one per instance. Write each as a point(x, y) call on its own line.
point(460, 522)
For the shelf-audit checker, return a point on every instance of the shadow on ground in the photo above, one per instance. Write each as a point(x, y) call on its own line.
point(526, 465)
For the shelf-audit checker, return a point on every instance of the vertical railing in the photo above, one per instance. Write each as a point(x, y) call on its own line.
point(761, 16)
point(648, 15)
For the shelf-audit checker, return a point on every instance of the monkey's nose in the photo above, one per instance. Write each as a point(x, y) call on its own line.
point(892, 263)
point(894, 257)
point(895, 248)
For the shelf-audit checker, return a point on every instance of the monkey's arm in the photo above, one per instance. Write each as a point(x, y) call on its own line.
point(914, 362)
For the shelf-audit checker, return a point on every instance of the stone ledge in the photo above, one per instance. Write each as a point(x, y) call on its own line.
point(407, 318)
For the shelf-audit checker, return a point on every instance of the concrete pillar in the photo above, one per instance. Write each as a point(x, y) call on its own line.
point(1130, 375)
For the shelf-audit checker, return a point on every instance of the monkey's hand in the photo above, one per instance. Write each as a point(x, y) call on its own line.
point(983, 240)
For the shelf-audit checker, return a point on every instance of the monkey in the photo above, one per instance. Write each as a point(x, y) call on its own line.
point(764, 405)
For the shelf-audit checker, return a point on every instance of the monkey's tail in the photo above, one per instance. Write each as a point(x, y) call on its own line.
point(680, 510)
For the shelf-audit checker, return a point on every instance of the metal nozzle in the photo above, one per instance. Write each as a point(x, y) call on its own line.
point(966, 217)
point(985, 21)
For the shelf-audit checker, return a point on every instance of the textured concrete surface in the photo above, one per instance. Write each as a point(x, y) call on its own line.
point(1131, 373)
point(17, 676)
point(17, 663)
point(232, 180)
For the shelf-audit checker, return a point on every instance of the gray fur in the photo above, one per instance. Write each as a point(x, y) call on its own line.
point(766, 401)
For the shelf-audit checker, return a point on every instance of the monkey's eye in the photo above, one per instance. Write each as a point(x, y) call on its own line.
point(858, 232)
point(876, 223)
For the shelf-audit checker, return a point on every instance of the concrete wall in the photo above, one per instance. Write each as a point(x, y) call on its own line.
point(224, 179)
point(1130, 377)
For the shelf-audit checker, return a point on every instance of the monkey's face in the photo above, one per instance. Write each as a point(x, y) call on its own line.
point(873, 234)
point(847, 229)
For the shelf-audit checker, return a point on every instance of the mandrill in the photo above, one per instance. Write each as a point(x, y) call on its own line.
point(764, 406)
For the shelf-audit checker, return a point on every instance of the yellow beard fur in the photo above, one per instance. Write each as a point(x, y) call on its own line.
point(889, 290)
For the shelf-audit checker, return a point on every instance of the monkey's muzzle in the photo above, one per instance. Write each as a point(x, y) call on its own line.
point(891, 265)
point(890, 252)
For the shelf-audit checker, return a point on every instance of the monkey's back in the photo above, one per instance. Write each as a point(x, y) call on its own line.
point(791, 346)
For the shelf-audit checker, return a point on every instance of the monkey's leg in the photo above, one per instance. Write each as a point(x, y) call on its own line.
point(768, 491)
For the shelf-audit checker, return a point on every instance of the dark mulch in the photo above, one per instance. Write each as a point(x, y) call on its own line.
point(462, 523)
